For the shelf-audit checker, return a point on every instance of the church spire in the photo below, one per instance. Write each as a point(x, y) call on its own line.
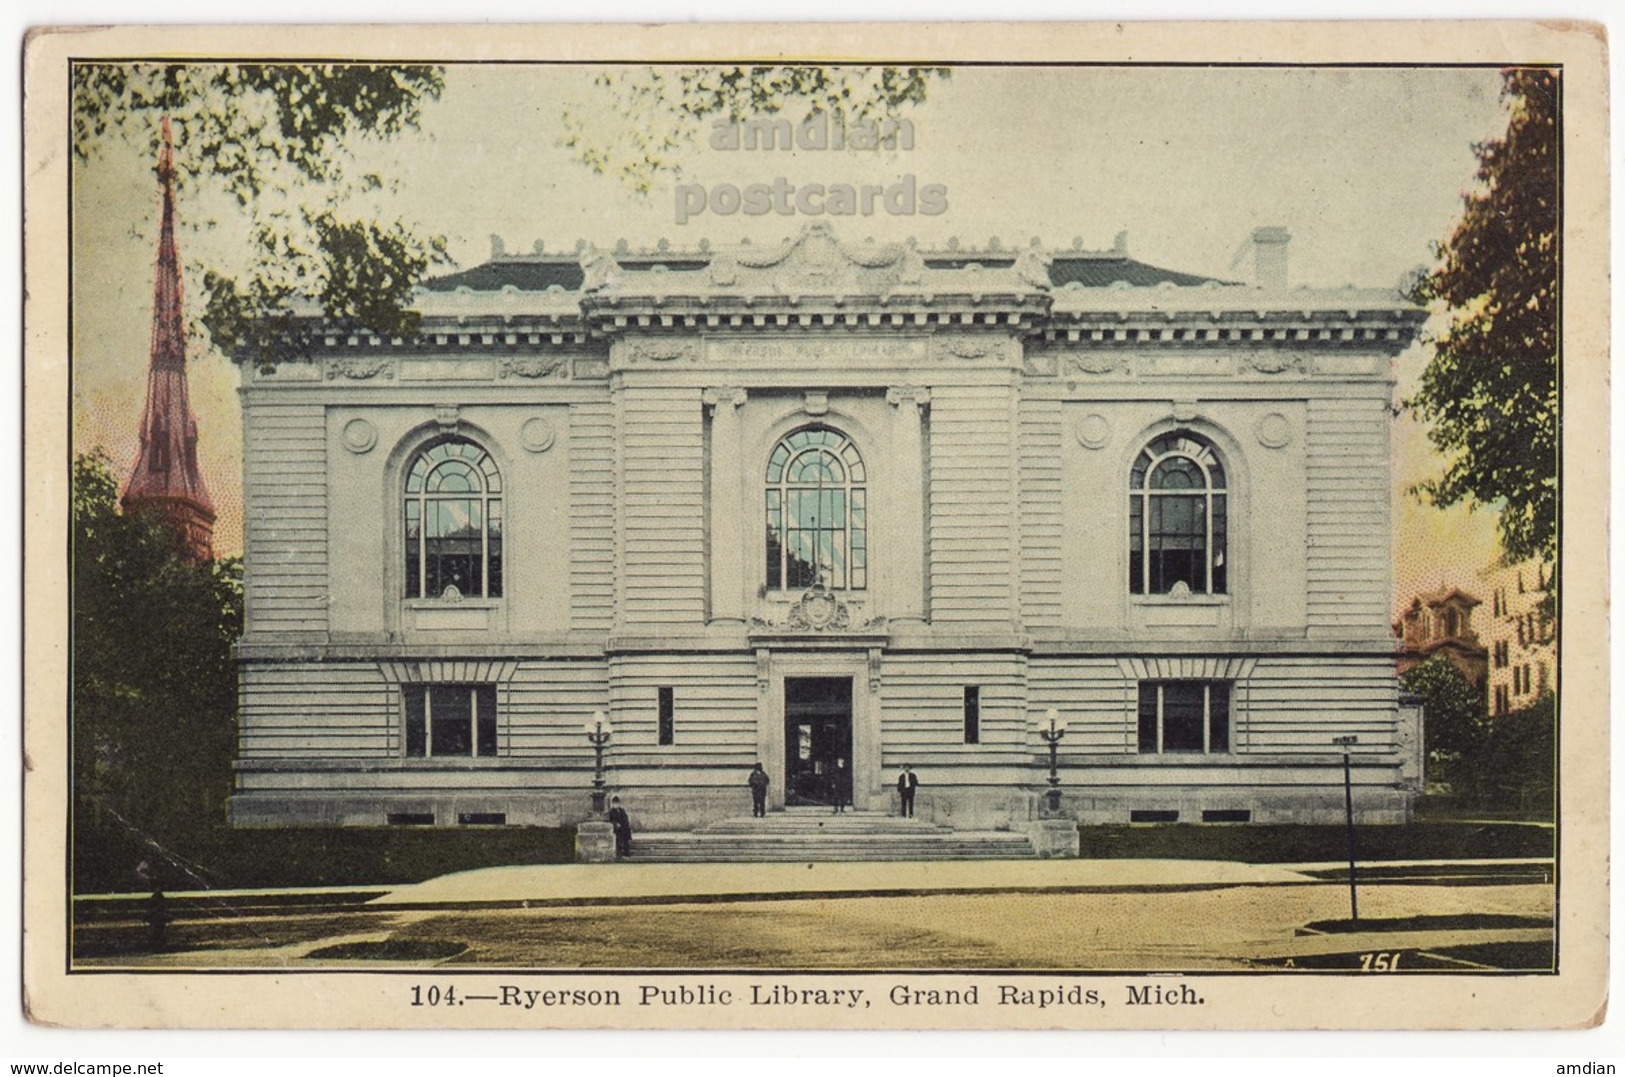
point(165, 478)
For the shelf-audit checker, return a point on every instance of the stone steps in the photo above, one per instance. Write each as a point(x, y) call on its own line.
point(826, 836)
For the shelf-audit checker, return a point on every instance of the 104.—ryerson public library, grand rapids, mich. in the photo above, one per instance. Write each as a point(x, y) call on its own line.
point(835, 507)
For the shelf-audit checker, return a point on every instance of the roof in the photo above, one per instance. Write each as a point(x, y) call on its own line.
point(538, 272)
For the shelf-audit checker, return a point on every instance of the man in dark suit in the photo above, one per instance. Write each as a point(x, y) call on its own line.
point(907, 782)
point(623, 827)
point(758, 791)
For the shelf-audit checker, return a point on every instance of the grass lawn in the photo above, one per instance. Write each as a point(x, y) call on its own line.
point(1294, 844)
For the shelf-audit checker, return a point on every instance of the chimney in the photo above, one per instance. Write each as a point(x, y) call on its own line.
point(1269, 256)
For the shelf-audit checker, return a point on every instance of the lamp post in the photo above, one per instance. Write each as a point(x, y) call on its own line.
point(1348, 816)
point(598, 732)
point(1053, 729)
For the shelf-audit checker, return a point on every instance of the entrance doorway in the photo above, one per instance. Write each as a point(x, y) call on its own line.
point(817, 740)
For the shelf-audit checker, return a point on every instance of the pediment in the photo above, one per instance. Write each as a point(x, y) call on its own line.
point(818, 263)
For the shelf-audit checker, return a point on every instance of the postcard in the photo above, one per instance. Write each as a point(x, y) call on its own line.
point(786, 526)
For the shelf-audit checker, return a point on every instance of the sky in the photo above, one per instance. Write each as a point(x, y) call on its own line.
point(1365, 167)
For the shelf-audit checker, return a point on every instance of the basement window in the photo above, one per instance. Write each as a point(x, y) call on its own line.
point(410, 818)
point(1157, 815)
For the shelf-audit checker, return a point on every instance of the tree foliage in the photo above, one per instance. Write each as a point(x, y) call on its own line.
point(154, 686)
point(277, 141)
point(1453, 710)
point(662, 110)
point(1490, 391)
point(1513, 767)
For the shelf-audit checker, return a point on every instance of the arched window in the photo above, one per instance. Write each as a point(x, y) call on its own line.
point(453, 514)
point(817, 516)
point(1177, 517)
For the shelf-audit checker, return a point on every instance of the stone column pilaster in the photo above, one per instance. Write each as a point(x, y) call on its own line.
point(906, 562)
point(727, 505)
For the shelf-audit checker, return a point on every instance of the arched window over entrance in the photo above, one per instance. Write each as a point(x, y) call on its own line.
point(817, 512)
point(453, 516)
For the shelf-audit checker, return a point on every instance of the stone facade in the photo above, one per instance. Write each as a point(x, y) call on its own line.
point(1521, 637)
point(837, 509)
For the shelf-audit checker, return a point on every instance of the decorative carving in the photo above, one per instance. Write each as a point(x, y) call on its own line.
point(1094, 362)
point(910, 265)
point(599, 270)
point(818, 610)
point(1093, 431)
point(446, 416)
point(723, 394)
point(358, 369)
point(967, 347)
point(724, 268)
point(1032, 267)
point(359, 435)
point(1272, 362)
point(815, 402)
point(451, 594)
point(664, 351)
point(537, 434)
point(898, 395)
point(1274, 431)
point(874, 669)
point(530, 368)
point(1184, 410)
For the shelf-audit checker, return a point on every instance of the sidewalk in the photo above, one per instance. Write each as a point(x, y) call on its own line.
point(568, 884)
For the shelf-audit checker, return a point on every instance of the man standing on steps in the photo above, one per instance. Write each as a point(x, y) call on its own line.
point(840, 784)
point(758, 791)
point(907, 782)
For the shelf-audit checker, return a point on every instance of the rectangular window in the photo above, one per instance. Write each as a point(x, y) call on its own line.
point(667, 714)
point(450, 720)
point(1184, 716)
point(973, 715)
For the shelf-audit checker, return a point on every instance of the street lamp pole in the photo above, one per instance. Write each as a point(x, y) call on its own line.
point(598, 733)
point(1053, 729)
point(1348, 817)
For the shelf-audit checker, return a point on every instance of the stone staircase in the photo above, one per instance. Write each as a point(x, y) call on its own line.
point(817, 834)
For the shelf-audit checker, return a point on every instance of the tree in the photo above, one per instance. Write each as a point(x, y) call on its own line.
point(276, 143)
point(1490, 390)
point(661, 110)
point(1452, 709)
point(153, 721)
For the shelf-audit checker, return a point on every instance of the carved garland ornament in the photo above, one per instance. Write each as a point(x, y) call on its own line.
point(530, 368)
point(358, 369)
point(664, 352)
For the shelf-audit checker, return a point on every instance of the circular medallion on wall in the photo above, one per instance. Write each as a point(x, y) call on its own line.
point(537, 435)
point(1274, 431)
point(359, 435)
point(1093, 430)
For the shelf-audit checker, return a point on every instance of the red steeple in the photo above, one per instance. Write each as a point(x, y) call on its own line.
point(165, 478)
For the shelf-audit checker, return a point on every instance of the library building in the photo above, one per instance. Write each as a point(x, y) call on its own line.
point(1067, 535)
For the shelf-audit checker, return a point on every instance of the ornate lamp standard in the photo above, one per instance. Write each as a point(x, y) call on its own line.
point(598, 733)
point(1052, 730)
